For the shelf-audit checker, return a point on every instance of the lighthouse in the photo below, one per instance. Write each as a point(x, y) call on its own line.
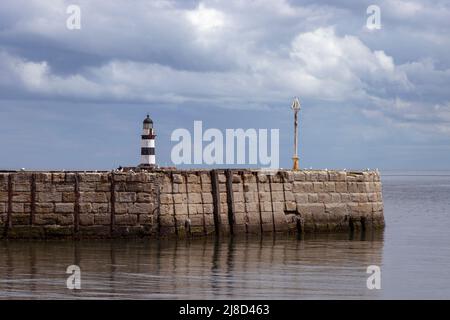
point(148, 144)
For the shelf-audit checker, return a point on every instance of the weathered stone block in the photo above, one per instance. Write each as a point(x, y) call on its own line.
point(21, 197)
point(126, 219)
point(288, 176)
point(49, 196)
point(167, 221)
point(250, 187)
point(206, 188)
point(180, 198)
point(144, 197)
point(303, 187)
point(102, 219)
point(278, 206)
point(238, 197)
point(262, 178)
point(20, 219)
point(249, 178)
point(239, 207)
point(288, 186)
point(318, 186)
point(277, 186)
point(20, 187)
point(299, 176)
point(65, 219)
point(280, 222)
point(87, 219)
point(166, 198)
point(68, 197)
point(205, 178)
point(237, 187)
point(123, 197)
point(194, 188)
point(324, 197)
point(87, 177)
point(330, 186)
point(341, 186)
point(236, 178)
point(146, 219)
point(222, 178)
point(100, 208)
point(21, 178)
point(291, 205)
point(208, 208)
point(289, 196)
point(252, 207)
point(337, 209)
point(193, 178)
point(377, 206)
point(177, 179)
point(377, 187)
point(240, 218)
point(64, 207)
point(352, 187)
point(44, 207)
point(193, 210)
point(179, 188)
point(196, 220)
point(140, 208)
point(267, 217)
point(322, 176)
point(278, 196)
point(45, 219)
point(266, 206)
point(18, 208)
point(301, 197)
point(264, 196)
point(3, 196)
point(181, 209)
point(335, 197)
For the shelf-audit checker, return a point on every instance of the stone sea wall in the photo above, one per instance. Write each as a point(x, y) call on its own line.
point(188, 203)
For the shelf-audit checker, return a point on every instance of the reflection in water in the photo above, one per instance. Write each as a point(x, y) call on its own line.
point(281, 267)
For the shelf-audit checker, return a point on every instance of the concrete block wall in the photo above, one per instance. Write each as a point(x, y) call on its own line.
point(186, 203)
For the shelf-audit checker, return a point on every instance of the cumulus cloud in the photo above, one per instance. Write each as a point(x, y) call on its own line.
point(246, 54)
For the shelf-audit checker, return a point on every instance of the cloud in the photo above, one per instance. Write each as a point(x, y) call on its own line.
point(233, 53)
point(318, 64)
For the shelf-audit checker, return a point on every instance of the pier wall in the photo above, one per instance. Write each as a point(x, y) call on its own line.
point(188, 203)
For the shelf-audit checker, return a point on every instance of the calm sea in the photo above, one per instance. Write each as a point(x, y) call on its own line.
point(413, 253)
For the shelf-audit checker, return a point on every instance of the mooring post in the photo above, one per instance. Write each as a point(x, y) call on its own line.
point(8, 223)
point(113, 204)
point(216, 200)
point(33, 199)
point(230, 200)
point(76, 226)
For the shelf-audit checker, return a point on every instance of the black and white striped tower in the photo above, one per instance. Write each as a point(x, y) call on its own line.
point(148, 144)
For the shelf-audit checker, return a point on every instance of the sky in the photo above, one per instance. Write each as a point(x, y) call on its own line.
point(370, 98)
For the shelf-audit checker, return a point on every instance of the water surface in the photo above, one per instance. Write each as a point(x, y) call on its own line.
point(413, 254)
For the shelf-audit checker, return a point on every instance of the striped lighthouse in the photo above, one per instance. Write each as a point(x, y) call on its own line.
point(148, 144)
